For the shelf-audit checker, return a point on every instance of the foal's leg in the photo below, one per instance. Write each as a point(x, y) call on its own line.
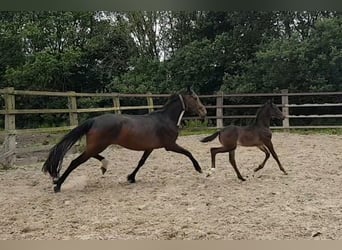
point(269, 145)
point(232, 161)
point(267, 155)
point(213, 152)
point(103, 161)
point(131, 177)
point(74, 164)
point(178, 149)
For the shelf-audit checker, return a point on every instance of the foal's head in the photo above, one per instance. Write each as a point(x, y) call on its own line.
point(193, 103)
point(273, 110)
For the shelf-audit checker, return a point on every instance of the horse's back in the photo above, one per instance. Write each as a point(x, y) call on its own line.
point(137, 132)
point(245, 136)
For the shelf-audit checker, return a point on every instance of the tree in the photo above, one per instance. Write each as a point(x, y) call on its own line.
point(313, 64)
point(11, 46)
point(68, 51)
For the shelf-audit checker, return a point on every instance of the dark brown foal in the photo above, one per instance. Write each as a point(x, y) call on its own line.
point(256, 135)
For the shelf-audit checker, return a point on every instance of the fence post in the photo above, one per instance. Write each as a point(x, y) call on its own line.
point(73, 117)
point(10, 139)
point(285, 108)
point(219, 109)
point(73, 109)
point(150, 103)
point(116, 103)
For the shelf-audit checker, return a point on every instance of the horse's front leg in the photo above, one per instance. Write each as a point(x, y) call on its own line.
point(178, 149)
point(270, 147)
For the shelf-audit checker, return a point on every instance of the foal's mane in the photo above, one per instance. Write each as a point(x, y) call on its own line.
point(260, 110)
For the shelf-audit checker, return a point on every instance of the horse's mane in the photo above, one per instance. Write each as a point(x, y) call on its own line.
point(172, 98)
point(259, 110)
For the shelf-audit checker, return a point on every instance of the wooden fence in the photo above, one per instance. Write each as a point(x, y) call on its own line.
point(212, 102)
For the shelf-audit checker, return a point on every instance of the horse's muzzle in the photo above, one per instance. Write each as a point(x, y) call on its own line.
point(203, 113)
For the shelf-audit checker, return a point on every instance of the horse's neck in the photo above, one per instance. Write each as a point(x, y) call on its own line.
point(174, 111)
point(262, 119)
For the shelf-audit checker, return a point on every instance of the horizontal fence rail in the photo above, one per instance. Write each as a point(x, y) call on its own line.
point(216, 105)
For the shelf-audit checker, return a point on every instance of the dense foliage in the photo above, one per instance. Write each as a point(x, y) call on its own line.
point(245, 51)
point(163, 51)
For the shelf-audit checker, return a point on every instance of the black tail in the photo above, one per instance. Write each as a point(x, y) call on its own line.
point(210, 137)
point(54, 161)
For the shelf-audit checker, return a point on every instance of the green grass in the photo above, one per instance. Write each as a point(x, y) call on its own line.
point(199, 131)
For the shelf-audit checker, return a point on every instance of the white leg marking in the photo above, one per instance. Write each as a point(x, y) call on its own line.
point(210, 171)
point(104, 163)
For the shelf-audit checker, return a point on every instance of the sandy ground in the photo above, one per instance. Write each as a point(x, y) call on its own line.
point(170, 200)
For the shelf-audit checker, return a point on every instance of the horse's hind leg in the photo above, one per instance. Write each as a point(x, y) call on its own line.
point(131, 177)
point(74, 164)
point(213, 152)
point(232, 161)
point(269, 145)
point(103, 161)
point(267, 155)
point(91, 150)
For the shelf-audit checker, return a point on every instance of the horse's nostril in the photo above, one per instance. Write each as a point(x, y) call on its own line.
point(203, 112)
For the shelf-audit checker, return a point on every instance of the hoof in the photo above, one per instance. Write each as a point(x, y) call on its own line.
point(57, 189)
point(130, 179)
point(55, 180)
point(198, 169)
point(104, 170)
point(242, 179)
point(210, 172)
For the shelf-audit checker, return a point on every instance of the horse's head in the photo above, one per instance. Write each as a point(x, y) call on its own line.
point(274, 110)
point(193, 103)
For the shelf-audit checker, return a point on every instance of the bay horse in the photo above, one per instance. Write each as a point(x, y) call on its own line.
point(258, 134)
point(158, 129)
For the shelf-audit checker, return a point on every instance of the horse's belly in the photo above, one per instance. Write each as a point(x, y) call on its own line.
point(139, 146)
point(249, 141)
point(139, 142)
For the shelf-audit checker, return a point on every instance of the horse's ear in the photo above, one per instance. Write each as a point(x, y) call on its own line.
point(189, 90)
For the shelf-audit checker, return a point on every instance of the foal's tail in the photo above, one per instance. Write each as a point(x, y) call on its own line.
point(210, 137)
point(54, 161)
